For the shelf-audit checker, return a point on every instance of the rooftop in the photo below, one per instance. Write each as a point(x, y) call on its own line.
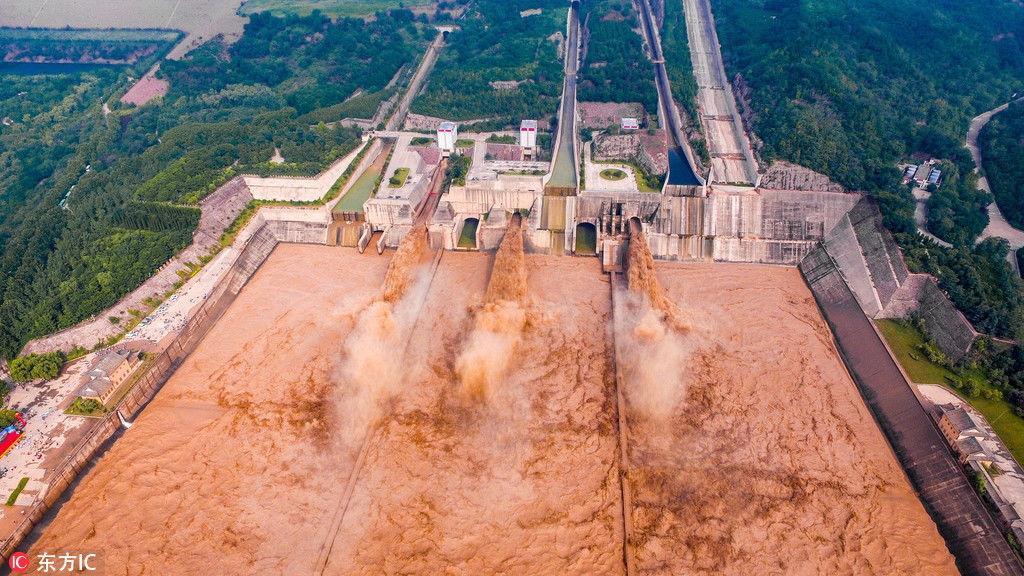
point(971, 446)
point(95, 387)
point(108, 362)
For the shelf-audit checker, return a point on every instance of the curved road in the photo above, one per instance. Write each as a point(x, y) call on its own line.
point(997, 224)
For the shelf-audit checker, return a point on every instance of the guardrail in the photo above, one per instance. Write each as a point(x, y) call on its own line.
point(257, 248)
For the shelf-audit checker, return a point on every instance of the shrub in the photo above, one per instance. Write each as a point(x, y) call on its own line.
point(86, 407)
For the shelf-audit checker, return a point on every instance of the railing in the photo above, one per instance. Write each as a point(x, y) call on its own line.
point(257, 248)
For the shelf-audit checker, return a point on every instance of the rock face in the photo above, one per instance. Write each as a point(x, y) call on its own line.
point(786, 176)
point(616, 146)
point(649, 151)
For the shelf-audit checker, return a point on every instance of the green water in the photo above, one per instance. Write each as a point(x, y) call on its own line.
point(468, 237)
point(564, 171)
point(359, 193)
point(586, 239)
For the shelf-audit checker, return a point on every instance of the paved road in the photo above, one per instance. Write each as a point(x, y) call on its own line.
point(997, 224)
point(594, 181)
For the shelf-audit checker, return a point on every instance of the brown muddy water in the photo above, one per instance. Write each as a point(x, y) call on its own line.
point(459, 416)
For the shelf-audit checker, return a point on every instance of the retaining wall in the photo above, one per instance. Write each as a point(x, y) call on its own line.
point(255, 250)
point(732, 225)
point(970, 532)
point(864, 254)
point(296, 187)
point(952, 333)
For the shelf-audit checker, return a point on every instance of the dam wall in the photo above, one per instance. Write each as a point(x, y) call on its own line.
point(861, 253)
point(262, 236)
point(290, 224)
point(297, 188)
point(731, 224)
point(970, 532)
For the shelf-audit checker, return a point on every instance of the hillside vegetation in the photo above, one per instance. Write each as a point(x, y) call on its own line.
point(1002, 148)
point(496, 43)
point(137, 173)
point(850, 87)
point(615, 68)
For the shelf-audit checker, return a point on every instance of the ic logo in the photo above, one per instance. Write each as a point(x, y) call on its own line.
point(18, 562)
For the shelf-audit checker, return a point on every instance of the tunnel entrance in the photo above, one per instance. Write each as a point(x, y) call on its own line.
point(467, 238)
point(586, 238)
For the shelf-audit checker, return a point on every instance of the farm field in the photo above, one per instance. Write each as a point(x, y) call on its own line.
point(136, 47)
point(333, 8)
point(200, 19)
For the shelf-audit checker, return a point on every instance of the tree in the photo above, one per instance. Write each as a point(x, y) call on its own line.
point(36, 366)
point(971, 388)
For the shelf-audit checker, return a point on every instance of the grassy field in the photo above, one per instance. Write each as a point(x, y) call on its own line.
point(186, 15)
point(332, 8)
point(398, 179)
point(84, 407)
point(906, 341)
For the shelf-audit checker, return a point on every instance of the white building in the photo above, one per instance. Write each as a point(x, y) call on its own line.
point(630, 124)
point(528, 135)
point(447, 135)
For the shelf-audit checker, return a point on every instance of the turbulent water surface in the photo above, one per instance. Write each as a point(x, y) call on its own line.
point(459, 416)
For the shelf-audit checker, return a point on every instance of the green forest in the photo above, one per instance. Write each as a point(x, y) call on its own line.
point(615, 68)
point(849, 88)
point(1002, 146)
point(108, 46)
point(496, 43)
point(91, 204)
point(676, 50)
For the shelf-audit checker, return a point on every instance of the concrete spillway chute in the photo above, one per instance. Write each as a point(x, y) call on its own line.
point(586, 239)
point(468, 234)
point(364, 238)
point(124, 421)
